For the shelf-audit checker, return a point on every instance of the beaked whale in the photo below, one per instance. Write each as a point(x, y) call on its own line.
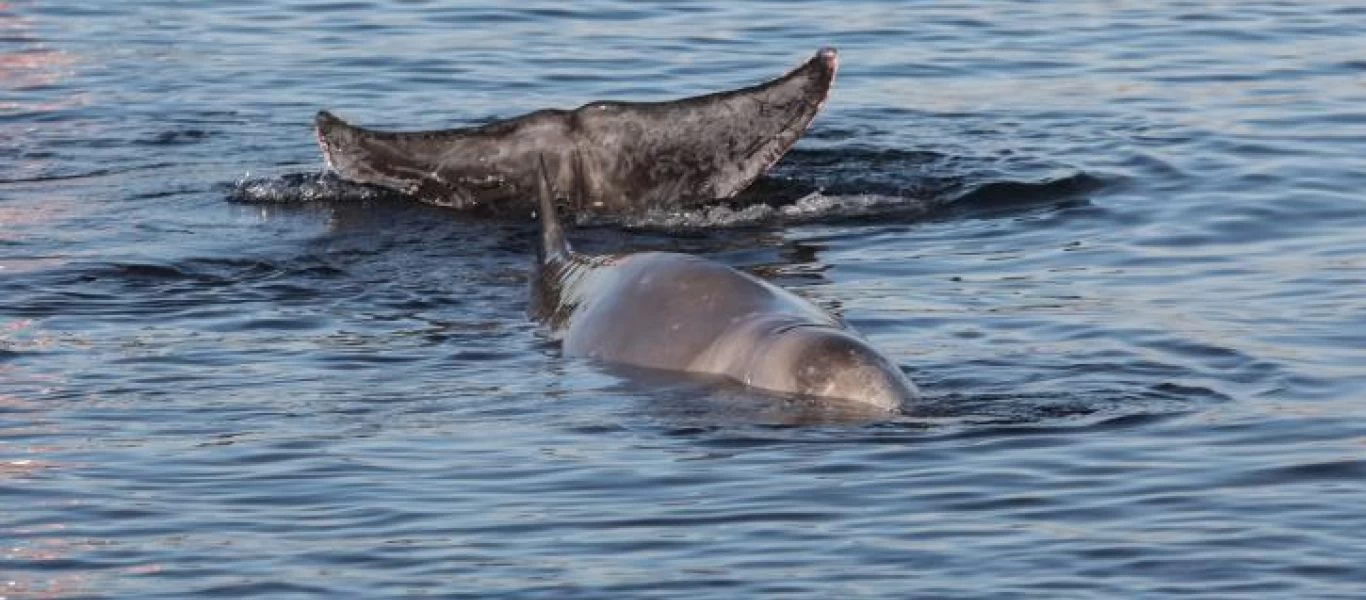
point(679, 312)
point(617, 157)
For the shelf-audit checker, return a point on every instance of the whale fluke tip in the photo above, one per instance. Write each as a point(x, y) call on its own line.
point(325, 118)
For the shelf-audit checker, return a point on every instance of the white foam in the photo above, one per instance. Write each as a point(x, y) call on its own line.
point(301, 188)
point(810, 208)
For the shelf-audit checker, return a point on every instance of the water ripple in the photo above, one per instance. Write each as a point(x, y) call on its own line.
point(1117, 246)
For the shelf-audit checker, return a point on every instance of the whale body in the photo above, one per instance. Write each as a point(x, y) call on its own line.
point(679, 312)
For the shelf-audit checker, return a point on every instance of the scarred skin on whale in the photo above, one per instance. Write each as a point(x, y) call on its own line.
point(679, 312)
point(616, 157)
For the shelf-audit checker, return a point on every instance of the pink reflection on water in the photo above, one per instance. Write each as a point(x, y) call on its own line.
point(29, 65)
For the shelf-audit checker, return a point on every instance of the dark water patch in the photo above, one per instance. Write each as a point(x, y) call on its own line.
point(281, 589)
point(190, 285)
point(81, 175)
point(207, 271)
point(143, 272)
point(325, 7)
point(295, 323)
point(1346, 470)
point(1007, 196)
point(175, 138)
point(1099, 409)
point(1003, 423)
point(858, 170)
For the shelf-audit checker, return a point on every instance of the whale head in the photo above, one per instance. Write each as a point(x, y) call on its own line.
point(828, 362)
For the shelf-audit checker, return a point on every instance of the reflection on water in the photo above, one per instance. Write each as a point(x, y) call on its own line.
point(28, 65)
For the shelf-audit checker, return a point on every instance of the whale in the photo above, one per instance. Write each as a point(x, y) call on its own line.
point(617, 157)
point(669, 311)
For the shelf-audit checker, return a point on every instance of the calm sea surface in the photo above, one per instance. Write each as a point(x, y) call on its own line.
point(1120, 245)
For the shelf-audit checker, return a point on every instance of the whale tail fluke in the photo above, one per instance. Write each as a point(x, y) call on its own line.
point(628, 156)
point(553, 246)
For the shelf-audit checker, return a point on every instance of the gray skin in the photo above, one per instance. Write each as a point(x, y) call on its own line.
point(678, 312)
point(617, 157)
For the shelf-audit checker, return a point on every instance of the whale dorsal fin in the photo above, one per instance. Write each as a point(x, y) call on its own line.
point(553, 246)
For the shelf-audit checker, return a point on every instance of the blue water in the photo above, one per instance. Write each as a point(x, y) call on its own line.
point(1120, 246)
